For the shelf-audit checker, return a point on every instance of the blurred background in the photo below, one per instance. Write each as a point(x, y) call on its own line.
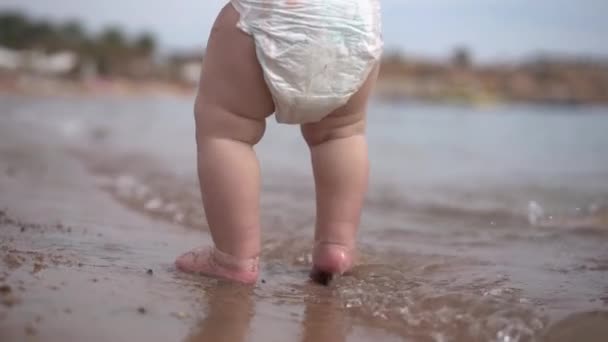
point(469, 51)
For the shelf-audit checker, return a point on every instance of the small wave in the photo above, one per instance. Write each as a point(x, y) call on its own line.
point(137, 182)
point(593, 216)
point(415, 305)
point(588, 217)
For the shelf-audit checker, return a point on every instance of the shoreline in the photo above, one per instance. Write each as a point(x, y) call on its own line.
point(387, 91)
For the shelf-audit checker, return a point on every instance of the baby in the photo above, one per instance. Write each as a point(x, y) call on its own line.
point(311, 63)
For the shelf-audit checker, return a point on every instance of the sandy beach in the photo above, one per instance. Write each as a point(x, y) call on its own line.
point(61, 240)
point(96, 202)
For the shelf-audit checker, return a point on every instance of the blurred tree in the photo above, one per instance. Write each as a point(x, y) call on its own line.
point(113, 38)
point(145, 44)
point(73, 34)
point(13, 26)
point(461, 58)
point(41, 35)
point(111, 51)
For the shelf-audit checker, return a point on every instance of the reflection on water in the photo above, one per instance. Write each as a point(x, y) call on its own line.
point(229, 314)
point(587, 326)
point(231, 309)
point(324, 321)
point(379, 297)
point(480, 225)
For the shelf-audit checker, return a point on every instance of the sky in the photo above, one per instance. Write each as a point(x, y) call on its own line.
point(491, 29)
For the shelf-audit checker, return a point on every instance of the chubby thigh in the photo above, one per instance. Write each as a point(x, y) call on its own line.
point(232, 92)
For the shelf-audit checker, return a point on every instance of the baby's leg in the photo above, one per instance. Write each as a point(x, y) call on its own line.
point(339, 157)
point(232, 104)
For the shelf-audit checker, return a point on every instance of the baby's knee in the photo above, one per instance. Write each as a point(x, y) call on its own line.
point(333, 128)
point(215, 122)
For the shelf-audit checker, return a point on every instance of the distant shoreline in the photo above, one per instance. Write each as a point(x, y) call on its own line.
point(42, 86)
point(387, 91)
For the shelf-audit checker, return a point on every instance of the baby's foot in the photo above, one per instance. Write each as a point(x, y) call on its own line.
point(329, 260)
point(211, 262)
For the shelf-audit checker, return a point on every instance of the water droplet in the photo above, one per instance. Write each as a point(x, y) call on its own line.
point(379, 315)
point(153, 204)
point(125, 181)
point(179, 217)
point(438, 337)
point(353, 303)
point(535, 213)
point(493, 292)
point(170, 207)
point(503, 336)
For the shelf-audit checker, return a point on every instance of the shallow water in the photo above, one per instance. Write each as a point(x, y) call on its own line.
point(481, 224)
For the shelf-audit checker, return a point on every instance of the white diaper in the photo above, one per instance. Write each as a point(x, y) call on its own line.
point(315, 54)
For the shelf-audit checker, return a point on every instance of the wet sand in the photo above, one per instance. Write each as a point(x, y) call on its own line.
point(70, 269)
point(89, 228)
